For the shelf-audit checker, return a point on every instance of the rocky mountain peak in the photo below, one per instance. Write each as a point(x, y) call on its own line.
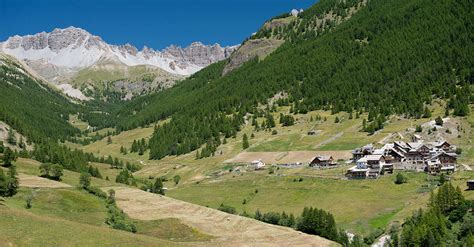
point(74, 49)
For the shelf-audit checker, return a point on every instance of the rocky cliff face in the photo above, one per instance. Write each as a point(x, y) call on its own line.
point(75, 48)
point(58, 56)
point(200, 54)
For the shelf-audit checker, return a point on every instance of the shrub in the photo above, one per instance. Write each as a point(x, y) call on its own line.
point(419, 128)
point(439, 121)
point(400, 179)
point(176, 179)
point(227, 209)
point(96, 191)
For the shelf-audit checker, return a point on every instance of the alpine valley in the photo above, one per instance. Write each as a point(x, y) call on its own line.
point(348, 123)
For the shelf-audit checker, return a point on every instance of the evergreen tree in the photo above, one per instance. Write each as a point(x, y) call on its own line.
point(56, 172)
point(8, 157)
point(245, 142)
point(85, 180)
point(158, 187)
point(427, 113)
point(10, 182)
point(11, 139)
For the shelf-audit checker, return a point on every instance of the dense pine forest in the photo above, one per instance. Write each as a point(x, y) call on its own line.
point(32, 108)
point(391, 57)
point(41, 115)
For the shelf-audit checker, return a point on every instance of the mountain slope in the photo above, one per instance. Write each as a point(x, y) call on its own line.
point(31, 107)
point(391, 57)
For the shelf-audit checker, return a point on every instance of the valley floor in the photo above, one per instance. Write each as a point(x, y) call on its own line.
point(359, 206)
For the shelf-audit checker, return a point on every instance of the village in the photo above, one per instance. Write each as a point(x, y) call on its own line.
point(369, 162)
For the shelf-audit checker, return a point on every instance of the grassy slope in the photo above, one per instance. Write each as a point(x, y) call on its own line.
point(111, 72)
point(28, 229)
point(66, 211)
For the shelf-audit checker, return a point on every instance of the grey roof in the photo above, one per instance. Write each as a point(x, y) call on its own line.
point(374, 157)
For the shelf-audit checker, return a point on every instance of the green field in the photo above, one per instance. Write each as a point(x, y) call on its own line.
point(358, 205)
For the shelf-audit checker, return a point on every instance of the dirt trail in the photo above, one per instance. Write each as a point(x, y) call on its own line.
point(39, 182)
point(332, 138)
point(229, 230)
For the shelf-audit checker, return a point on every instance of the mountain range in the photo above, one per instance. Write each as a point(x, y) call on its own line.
point(58, 56)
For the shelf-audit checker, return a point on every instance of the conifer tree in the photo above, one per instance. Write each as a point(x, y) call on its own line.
point(11, 139)
point(245, 142)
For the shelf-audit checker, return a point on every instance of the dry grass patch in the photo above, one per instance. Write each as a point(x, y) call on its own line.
point(228, 229)
point(39, 182)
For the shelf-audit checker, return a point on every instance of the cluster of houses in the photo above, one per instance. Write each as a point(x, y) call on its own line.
point(319, 161)
point(371, 162)
point(431, 157)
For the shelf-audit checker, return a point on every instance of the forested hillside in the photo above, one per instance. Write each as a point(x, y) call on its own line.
point(40, 114)
point(391, 57)
point(31, 108)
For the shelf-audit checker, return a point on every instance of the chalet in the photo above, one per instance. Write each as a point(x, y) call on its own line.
point(447, 159)
point(257, 164)
point(433, 166)
point(322, 161)
point(312, 132)
point(375, 163)
point(361, 152)
point(431, 157)
point(443, 145)
point(470, 184)
point(290, 165)
point(395, 155)
point(360, 170)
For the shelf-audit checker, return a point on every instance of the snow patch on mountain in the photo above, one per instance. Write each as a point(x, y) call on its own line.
point(75, 49)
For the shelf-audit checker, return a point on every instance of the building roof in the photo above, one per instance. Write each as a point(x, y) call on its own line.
point(368, 147)
point(362, 160)
point(454, 155)
point(415, 145)
point(323, 157)
point(355, 169)
point(402, 144)
point(379, 151)
point(374, 157)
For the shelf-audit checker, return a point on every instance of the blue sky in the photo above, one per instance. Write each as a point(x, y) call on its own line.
point(155, 24)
